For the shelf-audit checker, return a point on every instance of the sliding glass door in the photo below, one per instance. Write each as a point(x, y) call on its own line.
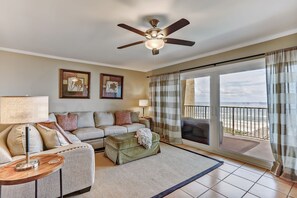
point(243, 106)
point(231, 101)
point(196, 107)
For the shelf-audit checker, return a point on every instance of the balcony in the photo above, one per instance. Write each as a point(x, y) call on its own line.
point(245, 129)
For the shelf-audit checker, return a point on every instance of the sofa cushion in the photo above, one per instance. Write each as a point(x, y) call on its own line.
point(16, 142)
point(55, 126)
point(112, 130)
point(68, 122)
point(88, 133)
point(52, 138)
point(5, 156)
point(134, 127)
point(123, 117)
point(104, 119)
point(72, 137)
point(135, 117)
point(85, 119)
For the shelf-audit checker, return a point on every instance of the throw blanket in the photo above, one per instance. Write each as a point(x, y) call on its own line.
point(144, 137)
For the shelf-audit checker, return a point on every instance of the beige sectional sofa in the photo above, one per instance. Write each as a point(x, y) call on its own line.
point(94, 127)
point(79, 163)
point(79, 167)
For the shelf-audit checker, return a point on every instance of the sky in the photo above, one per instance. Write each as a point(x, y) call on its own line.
point(240, 87)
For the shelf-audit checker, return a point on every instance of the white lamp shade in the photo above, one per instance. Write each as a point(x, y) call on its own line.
point(143, 103)
point(19, 110)
point(154, 43)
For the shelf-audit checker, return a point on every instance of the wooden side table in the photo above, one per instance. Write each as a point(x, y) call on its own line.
point(48, 164)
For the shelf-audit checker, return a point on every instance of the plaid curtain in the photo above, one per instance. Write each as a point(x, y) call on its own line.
point(165, 103)
point(281, 68)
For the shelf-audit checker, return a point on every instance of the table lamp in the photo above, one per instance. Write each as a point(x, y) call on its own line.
point(24, 110)
point(143, 103)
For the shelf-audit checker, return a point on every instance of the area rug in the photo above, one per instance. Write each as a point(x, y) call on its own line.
point(154, 176)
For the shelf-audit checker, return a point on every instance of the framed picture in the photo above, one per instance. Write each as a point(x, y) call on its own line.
point(74, 84)
point(111, 86)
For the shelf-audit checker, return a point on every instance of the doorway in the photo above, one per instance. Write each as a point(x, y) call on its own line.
point(231, 100)
point(243, 113)
point(196, 108)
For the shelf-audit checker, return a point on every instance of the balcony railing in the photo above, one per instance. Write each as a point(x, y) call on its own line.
point(242, 121)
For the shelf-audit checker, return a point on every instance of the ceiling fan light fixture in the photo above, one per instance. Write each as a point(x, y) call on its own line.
point(154, 44)
point(156, 37)
point(160, 35)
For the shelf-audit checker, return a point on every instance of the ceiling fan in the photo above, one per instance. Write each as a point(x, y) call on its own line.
point(156, 37)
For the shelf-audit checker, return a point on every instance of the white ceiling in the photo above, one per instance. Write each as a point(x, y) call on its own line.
point(87, 31)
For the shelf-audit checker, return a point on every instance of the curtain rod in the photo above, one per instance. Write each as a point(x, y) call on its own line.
point(286, 49)
point(223, 62)
point(227, 61)
point(212, 64)
point(163, 74)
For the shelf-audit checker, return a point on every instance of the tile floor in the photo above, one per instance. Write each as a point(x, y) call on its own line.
point(236, 179)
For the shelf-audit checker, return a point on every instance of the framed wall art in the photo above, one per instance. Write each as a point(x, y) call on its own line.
point(74, 84)
point(111, 86)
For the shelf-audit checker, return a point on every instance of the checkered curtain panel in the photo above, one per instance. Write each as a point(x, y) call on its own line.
point(165, 103)
point(281, 68)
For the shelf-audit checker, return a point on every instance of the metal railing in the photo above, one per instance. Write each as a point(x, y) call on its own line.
point(242, 121)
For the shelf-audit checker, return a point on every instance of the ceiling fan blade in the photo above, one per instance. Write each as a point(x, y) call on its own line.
point(155, 51)
point(175, 26)
point(132, 29)
point(131, 44)
point(179, 42)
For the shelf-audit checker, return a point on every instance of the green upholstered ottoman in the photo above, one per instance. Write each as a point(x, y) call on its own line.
point(125, 148)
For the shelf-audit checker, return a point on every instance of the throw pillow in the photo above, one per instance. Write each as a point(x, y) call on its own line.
point(52, 117)
point(16, 140)
point(68, 122)
point(55, 126)
point(104, 119)
point(52, 138)
point(135, 117)
point(123, 117)
point(5, 156)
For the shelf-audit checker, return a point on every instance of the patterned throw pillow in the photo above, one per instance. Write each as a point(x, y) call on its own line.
point(123, 117)
point(68, 122)
point(55, 126)
point(135, 117)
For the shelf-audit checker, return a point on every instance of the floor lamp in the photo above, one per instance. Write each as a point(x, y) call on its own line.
point(24, 110)
point(143, 103)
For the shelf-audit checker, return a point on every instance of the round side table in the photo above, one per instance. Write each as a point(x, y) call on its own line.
point(48, 164)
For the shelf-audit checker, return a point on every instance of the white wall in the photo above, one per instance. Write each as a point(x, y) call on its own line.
point(36, 76)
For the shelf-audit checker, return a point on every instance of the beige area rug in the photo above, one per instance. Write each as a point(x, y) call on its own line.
point(238, 145)
point(147, 177)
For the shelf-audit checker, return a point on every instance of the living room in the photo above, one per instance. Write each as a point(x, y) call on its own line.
point(98, 92)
